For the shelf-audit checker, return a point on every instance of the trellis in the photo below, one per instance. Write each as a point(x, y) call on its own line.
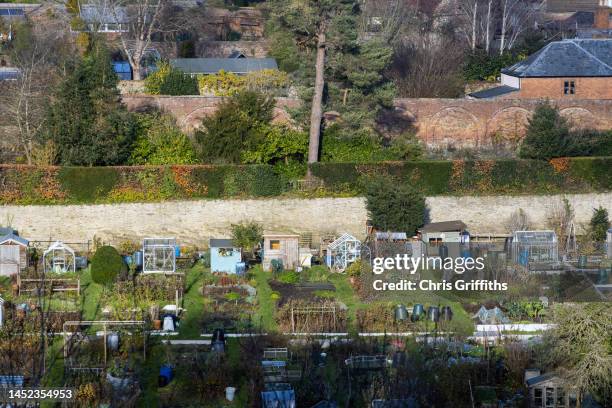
point(306, 319)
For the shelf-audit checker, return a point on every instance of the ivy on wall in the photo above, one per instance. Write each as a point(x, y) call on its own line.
point(64, 185)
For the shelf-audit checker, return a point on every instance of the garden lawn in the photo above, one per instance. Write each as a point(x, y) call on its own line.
point(92, 293)
point(193, 302)
point(266, 305)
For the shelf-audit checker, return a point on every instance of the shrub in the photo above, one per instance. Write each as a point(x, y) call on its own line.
point(247, 235)
point(481, 66)
point(288, 277)
point(106, 264)
point(167, 80)
point(161, 142)
point(547, 134)
point(235, 127)
point(394, 206)
point(599, 224)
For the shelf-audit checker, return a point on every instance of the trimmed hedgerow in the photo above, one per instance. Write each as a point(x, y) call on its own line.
point(87, 183)
point(57, 185)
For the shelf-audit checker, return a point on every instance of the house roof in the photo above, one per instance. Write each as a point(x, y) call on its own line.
point(391, 235)
point(15, 238)
point(540, 379)
point(493, 92)
point(6, 231)
point(214, 65)
point(103, 15)
point(444, 226)
point(567, 58)
point(221, 243)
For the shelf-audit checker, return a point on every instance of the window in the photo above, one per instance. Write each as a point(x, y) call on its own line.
point(550, 397)
point(569, 88)
point(435, 241)
point(537, 397)
point(275, 244)
point(560, 398)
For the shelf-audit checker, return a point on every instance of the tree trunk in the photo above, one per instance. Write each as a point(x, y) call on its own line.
point(474, 25)
point(137, 72)
point(502, 42)
point(488, 27)
point(317, 102)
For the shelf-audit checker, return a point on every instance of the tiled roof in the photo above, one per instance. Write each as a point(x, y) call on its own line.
point(567, 58)
point(221, 243)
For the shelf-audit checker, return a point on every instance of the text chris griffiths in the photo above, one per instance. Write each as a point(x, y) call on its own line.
point(429, 285)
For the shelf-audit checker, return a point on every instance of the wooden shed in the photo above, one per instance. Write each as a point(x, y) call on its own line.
point(282, 247)
point(13, 254)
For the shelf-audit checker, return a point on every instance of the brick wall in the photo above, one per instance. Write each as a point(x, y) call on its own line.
point(189, 110)
point(438, 122)
point(585, 88)
point(475, 123)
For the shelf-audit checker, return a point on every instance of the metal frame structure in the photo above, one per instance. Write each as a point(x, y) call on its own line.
point(159, 255)
point(534, 246)
point(59, 258)
point(345, 250)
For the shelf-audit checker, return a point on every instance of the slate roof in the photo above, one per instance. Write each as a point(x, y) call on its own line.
point(221, 243)
point(103, 15)
point(567, 58)
point(214, 65)
point(539, 379)
point(14, 238)
point(493, 92)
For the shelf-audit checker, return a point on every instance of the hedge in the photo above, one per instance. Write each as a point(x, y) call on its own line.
point(65, 185)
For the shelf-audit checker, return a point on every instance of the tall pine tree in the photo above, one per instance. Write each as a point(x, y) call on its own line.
point(86, 121)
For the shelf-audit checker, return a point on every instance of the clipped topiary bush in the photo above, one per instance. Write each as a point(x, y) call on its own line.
point(106, 265)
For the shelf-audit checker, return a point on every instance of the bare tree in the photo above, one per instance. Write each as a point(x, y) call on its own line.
point(516, 16)
point(24, 102)
point(518, 221)
point(384, 18)
point(138, 21)
point(469, 10)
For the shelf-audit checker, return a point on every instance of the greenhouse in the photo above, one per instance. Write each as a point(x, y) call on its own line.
point(345, 250)
point(59, 258)
point(159, 255)
point(534, 246)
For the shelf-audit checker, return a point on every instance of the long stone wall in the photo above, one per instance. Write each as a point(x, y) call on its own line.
point(474, 122)
point(194, 222)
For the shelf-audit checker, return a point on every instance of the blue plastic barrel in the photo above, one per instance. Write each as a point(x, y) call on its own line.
point(128, 259)
point(177, 251)
point(138, 258)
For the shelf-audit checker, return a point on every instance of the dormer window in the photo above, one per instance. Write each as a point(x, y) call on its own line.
point(569, 88)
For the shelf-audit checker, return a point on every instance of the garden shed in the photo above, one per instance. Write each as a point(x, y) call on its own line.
point(284, 248)
point(13, 254)
point(224, 256)
point(159, 255)
point(444, 238)
point(534, 246)
point(342, 252)
point(59, 258)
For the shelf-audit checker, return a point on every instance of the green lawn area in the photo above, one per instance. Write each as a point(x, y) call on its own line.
point(266, 305)
point(193, 302)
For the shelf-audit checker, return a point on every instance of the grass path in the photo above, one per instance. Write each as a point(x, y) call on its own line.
point(267, 306)
point(193, 302)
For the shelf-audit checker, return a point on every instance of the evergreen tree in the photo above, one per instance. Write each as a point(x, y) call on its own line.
point(238, 125)
point(547, 135)
point(599, 224)
point(86, 121)
point(394, 206)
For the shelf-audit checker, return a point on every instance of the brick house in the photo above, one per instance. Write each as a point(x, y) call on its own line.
point(568, 69)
